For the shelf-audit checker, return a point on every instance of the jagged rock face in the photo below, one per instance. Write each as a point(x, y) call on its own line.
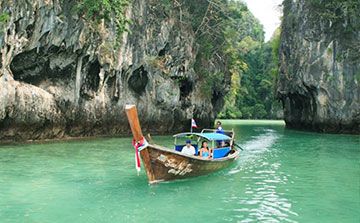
point(60, 77)
point(319, 72)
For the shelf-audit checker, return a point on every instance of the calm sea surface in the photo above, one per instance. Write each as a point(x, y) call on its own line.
point(281, 176)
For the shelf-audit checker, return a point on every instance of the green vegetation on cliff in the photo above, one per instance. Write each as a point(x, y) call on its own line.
point(251, 94)
point(95, 11)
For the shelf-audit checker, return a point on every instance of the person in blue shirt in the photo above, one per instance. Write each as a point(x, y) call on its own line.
point(219, 143)
point(219, 128)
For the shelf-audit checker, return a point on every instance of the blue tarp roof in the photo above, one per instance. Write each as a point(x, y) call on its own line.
point(208, 136)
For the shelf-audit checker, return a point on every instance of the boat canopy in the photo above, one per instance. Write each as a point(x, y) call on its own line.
point(208, 136)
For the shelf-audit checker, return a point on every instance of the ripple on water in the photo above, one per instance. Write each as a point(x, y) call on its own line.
point(259, 169)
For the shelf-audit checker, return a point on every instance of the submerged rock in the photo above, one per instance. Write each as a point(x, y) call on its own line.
point(62, 77)
point(319, 73)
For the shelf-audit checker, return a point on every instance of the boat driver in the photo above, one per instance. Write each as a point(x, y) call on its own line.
point(219, 143)
point(188, 149)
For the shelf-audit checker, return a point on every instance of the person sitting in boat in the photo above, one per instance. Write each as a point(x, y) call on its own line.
point(188, 148)
point(219, 143)
point(205, 151)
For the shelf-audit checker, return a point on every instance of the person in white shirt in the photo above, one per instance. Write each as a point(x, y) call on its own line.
point(188, 149)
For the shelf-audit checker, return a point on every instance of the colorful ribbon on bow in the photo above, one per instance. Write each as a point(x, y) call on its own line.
point(139, 145)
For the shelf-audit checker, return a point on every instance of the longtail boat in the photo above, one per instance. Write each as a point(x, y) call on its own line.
point(164, 164)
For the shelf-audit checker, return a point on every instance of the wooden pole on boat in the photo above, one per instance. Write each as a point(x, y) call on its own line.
point(133, 118)
point(134, 121)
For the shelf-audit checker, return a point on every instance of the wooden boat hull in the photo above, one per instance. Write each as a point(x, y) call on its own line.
point(163, 164)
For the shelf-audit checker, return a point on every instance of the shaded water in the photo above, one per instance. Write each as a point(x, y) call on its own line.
point(281, 176)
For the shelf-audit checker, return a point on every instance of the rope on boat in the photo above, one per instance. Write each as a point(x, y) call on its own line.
point(139, 145)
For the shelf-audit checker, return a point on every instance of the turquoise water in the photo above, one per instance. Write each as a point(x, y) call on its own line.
point(282, 176)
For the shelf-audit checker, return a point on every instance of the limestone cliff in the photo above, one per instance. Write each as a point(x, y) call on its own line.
point(319, 65)
point(63, 77)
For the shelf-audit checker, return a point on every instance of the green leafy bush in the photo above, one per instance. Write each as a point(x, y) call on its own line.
point(94, 11)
